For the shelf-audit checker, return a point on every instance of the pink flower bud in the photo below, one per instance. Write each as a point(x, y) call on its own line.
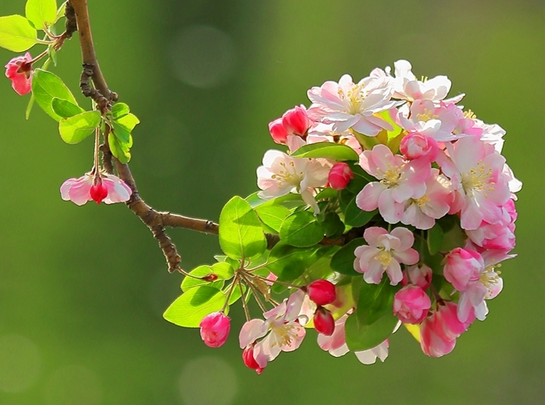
point(415, 145)
point(278, 132)
point(98, 192)
point(249, 360)
point(322, 292)
point(411, 304)
point(19, 70)
point(462, 266)
point(340, 175)
point(418, 275)
point(324, 322)
point(296, 121)
point(215, 329)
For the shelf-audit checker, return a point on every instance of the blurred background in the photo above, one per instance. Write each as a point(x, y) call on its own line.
point(83, 289)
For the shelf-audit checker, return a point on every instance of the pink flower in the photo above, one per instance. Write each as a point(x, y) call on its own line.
point(411, 304)
point(350, 105)
point(322, 292)
point(419, 275)
point(215, 329)
point(340, 175)
point(97, 187)
point(323, 321)
point(462, 266)
point(384, 254)
point(19, 70)
point(418, 146)
point(281, 330)
point(399, 181)
point(294, 122)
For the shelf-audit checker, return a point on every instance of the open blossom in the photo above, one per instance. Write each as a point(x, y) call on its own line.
point(19, 70)
point(353, 105)
point(282, 174)
point(476, 172)
point(399, 180)
point(385, 253)
point(281, 330)
point(91, 186)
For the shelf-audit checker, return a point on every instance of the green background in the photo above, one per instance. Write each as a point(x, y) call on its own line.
point(82, 289)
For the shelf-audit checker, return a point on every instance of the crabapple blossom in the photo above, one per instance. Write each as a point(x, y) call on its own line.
point(215, 329)
point(321, 292)
point(476, 172)
point(385, 253)
point(419, 275)
point(282, 174)
point(340, 175)
point(249, 360)
point(461, 266)
point(281, 330)
point(415, 145)
point(19, 71)
point(411, 304)
point(348, 105)
point(398, 181)
point(294, 122)
point(111, 189)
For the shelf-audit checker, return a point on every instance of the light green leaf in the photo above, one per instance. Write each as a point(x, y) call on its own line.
point(189, 309)
point(65, 108)
point(272, 215)
point(326, 150)
point(45, 87)
point(201, 271)
point(120, 150)
point(301, 229)
point(119, 110)
point(240, 232)
point(29, 106)
point(77, 128)
point(16, 33)
point(41, 12)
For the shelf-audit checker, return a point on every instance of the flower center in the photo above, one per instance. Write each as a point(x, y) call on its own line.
point(392, 177)
point(384, 258)
point(284, 334)
point(422, 201)
point(355, 97)
point(288, 175)
point(477, 180)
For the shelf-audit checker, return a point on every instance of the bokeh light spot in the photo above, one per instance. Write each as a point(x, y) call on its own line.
point(19, 363)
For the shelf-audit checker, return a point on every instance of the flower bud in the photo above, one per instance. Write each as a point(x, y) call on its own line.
point(18, 70)
point(324, 322)
point(411, 304)
point(296, 121)
point(415, 145)
point(215, 329)
point(340, 175)
point(278, 132)
point(321, 292)
point(98, 192)
point(249, 360)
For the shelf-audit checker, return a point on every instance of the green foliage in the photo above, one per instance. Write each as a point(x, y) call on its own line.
point(343, 261)
point(272, 215)
point(223, 270)
point(122, 123)
point(17, 33)
point(301, 229)
point(327, 150)
point(361, 337)
point(65, 108)
point(78, 127)
point(189, 309)
point(240, 234)
point(45, 87)
point(41, 13)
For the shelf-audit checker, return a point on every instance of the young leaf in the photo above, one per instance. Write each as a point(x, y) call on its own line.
point(201, 271)
point(326, 150)
point(41, 12)
point(363, 337)
point(45, 87)
point(301, 229)
point(120, 110)
point(240, 232)
point(77, 128)
point(65, 108)
point(189, 309)
point(272, 215)
point(16, 33)
point(343, 261)
point(120, 150)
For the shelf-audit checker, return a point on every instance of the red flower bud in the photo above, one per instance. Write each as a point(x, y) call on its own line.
point(340, 175)
point(215, 329)
point(296, 121)
point(249, 360)
point(324, 322)
point(278, 132)
point(322, 292)
point(98, 192)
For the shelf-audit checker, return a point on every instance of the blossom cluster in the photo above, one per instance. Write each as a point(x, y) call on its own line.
point(430, 163)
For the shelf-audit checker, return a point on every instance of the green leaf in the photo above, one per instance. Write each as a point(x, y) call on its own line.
point(65, 108)
point(288, 262)
point(272, 215)
point(374, 301)
point(435, 239)
point(120, 150)
point(16, 33)
point(343, 261)
point(77, 128)
point(301, 229)
point(41, 12)
point(326, 150)
point(363, 337)
point(333, 226)
point(356, 217)
point(29, 106)
point(240, 232)
point(45, 87)
point(189, 309)
point(120, 110)
point(201, 271)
